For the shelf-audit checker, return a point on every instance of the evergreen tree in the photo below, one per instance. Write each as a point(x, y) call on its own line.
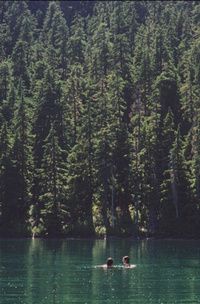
point(55, 36)
point(49, 111)
point(20, 68)
point(15, 15)
point(10, 211)
point(23, 163)
point(121, 157)
point(77, 41)
point(105, 183)
point(5, 80)
point(80, 170)
point(52, 182)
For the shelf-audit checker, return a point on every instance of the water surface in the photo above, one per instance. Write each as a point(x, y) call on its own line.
point(64, 271)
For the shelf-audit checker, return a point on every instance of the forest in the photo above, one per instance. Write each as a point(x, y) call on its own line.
point(100, 119)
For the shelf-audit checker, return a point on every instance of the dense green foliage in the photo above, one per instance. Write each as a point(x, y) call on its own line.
point(100, 118)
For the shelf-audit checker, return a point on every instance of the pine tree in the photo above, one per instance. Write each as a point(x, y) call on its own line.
point(73, 99)
point(105, 214)
point(9, 178)
point(99, 47)
point(52, 176)
point(55, 36)
point(80, 170)
point(168, 138)
point(21, 155)
point(121, 153)
point(48, 111)
point(20, 66)
point(4, 80)
point(15, 16)
point(150, 181)
point(77, 42)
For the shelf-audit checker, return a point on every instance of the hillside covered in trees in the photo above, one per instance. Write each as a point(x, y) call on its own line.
point(100, 118)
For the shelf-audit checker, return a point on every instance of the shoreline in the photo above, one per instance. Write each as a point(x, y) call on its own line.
point(111, 238)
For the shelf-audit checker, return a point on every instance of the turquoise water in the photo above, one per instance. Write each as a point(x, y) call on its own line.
point(64, 271)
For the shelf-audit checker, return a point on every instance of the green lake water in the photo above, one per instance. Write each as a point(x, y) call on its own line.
point(64, 271)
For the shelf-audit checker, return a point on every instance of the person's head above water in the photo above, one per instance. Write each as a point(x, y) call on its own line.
point(109, 262)
point(126, 260)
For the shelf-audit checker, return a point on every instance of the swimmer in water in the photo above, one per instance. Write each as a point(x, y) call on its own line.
point(126, 261)
point(109, 263)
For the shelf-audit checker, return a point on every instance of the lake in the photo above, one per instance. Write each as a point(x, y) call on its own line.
point(64, 271)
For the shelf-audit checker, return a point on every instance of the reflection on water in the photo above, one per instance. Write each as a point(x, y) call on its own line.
point(63, 271)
